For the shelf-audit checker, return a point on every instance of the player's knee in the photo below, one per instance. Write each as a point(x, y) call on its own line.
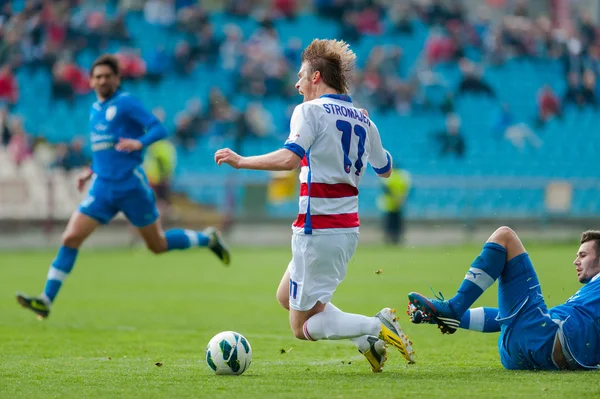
point(285, 303)
point(504, 236)
point(283, 299)
point(72, 239)
point(298, 332)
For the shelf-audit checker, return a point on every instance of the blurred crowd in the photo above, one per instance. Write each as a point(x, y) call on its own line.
point(48, 34)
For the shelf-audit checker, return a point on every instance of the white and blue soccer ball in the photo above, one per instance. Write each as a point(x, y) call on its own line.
point(228, 353)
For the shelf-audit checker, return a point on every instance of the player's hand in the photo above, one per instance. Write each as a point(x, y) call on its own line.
point(128, 145)
point(82, 178)
point(227, 156)
point(364, 111)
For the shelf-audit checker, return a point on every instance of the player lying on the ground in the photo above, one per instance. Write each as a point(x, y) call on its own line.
point(565, 337)
point(121, 129)
point(332, 141)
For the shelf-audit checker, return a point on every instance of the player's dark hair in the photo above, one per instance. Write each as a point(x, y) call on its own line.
point(334, 60)
point(108, 60)
point(592, 235)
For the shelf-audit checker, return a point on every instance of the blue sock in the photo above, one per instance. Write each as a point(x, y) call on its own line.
point(485, 269)
point(480, 319)
point(59, 270)
point(184, 239)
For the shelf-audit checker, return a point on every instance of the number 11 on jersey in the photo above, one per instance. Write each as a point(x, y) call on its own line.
point(346, 128)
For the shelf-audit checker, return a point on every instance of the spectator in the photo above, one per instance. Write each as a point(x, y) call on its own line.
point(184, 64)
point(451, 140)
point(400, 17)
point(19, 147)
point(472, 82)
point(368, 21)
point(439, 48)
point(239, 8)
point(9, 90)
point(349, 30)
point(437, 14)
point(571, 96)
point(503, 120)
point(76, 77)
point(588, 92)
point(231, 48)
point(70, 157)
point(392, 203)
point(199, 121)
point(117, 28)
point(218, 107)
point(132, 66)
point(206, 46)
point(160, 12)
point(258, 120)
point(183, 131)
point(588, 30)
point(61, 87)
point(5, 133)
point(286, 8)
point(157, 64)
point(548, 105)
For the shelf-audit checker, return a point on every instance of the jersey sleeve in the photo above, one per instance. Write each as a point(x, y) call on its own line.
point(138, 114)
point(302, 131)
point(380, 159)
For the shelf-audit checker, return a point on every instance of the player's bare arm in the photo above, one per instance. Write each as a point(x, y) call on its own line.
point(83, 177)
point(282, 159)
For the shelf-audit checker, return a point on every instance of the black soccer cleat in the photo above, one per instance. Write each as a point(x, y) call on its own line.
point(217, 245)
point(423, 310)
point(37, 305)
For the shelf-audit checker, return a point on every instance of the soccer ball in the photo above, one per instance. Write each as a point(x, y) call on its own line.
point(228, 353)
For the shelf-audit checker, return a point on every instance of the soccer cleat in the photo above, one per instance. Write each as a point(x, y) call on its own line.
point(217, 245)
point(37, 305)
point(393, 334)
point(433, 311)
point(376, 354)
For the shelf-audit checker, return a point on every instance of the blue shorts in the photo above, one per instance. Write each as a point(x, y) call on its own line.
point(133, 197)
point(527, 332)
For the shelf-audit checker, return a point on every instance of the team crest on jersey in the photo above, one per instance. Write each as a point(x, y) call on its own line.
point(111, 112)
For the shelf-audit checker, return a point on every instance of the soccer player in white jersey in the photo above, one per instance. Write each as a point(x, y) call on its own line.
point(331, 141)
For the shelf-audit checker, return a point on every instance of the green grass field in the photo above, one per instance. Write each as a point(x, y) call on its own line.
point(121, 312)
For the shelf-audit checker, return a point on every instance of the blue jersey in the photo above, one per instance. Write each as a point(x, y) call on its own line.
point(120, 116)
point(580, 317)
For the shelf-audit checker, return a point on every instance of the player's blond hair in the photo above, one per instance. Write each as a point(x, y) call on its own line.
point(334, 60)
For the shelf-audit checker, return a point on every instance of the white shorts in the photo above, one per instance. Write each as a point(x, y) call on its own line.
point(318, 266)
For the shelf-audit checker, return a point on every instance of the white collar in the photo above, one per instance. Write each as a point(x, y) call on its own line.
point(595, 277)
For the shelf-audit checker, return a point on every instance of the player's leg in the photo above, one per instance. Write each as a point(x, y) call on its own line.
point(481, 320)
point(139, 206)
point(283, 290)
point(317, 268)
point(159, 241)
point(79, 228)
point(477, 319)
point(502, 247)
point(371, 347)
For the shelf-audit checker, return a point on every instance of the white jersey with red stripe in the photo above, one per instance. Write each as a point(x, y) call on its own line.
point(335, 141)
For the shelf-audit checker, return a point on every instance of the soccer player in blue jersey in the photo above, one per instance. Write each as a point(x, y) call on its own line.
point(565, 337)
point(121, 129)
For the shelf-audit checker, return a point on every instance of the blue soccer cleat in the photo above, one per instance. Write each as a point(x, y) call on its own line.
point(433, 311)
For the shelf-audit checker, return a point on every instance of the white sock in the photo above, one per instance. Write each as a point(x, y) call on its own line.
point(339, 325)
point(361, 343)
